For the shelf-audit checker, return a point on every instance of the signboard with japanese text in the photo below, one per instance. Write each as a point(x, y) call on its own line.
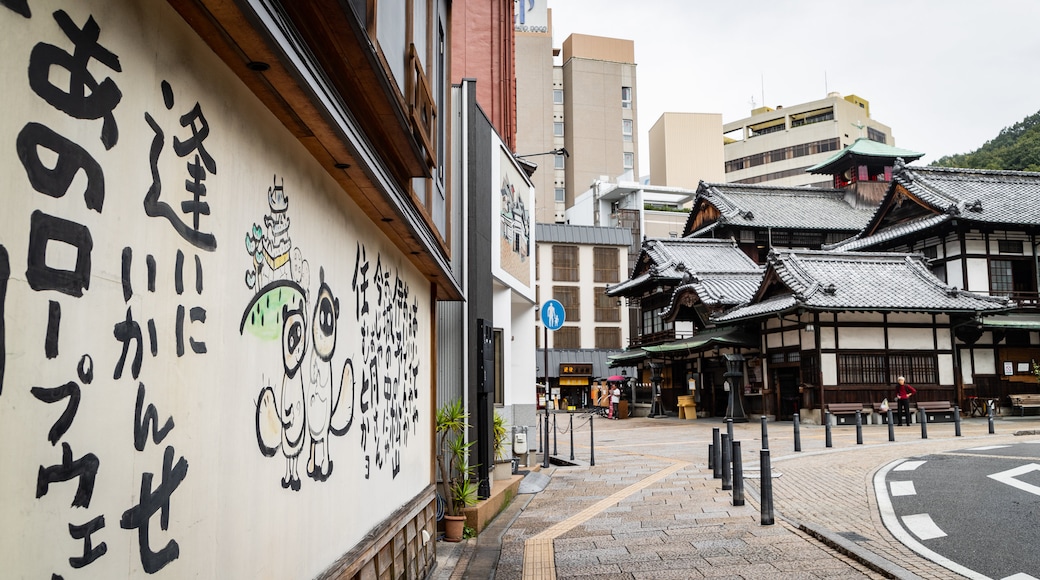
point(208, 367)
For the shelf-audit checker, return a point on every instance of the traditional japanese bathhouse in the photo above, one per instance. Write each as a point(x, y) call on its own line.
point(864, 168)
point(676, 285)
point(980, 230)
point(839, 327)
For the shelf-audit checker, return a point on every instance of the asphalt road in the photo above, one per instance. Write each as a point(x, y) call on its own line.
point(975, 511)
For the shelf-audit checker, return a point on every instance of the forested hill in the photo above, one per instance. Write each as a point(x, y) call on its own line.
point(1016, 148)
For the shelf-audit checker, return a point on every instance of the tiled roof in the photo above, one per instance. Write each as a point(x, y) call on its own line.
point(765, 206)
point(723, 289)
point(600, 359)
point(587, 235)
point(668, 260)
point(843, 281)
point(890, 233)
point(863, 147)
point(975, 195)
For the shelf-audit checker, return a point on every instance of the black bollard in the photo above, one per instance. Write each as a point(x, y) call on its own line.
point(797, 434)
point(729, 431)
point(738, 475)
point(956, 421)
point(891, 427)
point(767, 488)
point(556, 450)
point(828, 441)
point(923, 418)
point(989, 407)
point(717, 452)
point(711, 456)
point(859, 427)
point(765, 433)
point(727, 463)
point(592, 443)
point(545, 444)
point(571, 429)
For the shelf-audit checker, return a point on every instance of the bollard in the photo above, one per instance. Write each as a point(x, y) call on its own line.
point(956, 421)
point(556, 450)
point(923, 418)
point(717, 452)
point(539, 450)
point(571, 429)
point(891, 427)
point(738, 475)
point(727, 463)
point(767, 488)
point(859, 427)
point(828, 441)
point(592, 444)
point(711, 456)
point(797, 434)
point(765, 433)
point(989, 406)
point(545, 444)
point(729, 431)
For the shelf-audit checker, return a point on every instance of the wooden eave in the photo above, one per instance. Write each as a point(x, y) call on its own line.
point(342, 50)
point(702, 215)
point(892, 213)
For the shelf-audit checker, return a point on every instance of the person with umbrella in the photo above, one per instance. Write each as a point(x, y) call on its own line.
point(615, 395)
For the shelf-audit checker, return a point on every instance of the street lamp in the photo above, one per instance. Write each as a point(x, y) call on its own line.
point(560, 151)
point(734, 376)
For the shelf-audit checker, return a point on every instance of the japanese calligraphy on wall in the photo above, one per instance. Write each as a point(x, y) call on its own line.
point(165, 395)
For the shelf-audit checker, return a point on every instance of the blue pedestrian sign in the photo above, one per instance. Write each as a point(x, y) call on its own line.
point(553, 314)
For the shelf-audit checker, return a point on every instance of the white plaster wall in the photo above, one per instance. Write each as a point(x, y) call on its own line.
point(521, 378)
point(229, 516)
point(861, 317)
point(827, 336)
point(985, 361)
point(774, 340)
point(861, 337)
point(910, 339)
point(946, 369)
point(792, 338)
point(978, 275)
point(966, 371)
point(955, 274)
point(829, 368)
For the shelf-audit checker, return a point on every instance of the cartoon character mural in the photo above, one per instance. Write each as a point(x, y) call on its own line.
point(311, 403)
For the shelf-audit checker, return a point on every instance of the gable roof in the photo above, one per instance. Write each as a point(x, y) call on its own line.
point(851, 281)
point(944, 194)
point(862, 149)
point(587, 235)
point(718, 290)
point(766, 206)
point(669, 260)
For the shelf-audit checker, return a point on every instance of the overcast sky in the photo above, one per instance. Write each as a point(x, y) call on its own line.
point(946, 75)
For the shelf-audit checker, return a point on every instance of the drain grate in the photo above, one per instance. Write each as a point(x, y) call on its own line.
point(853, 536)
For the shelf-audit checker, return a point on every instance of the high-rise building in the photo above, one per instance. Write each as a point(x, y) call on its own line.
point(777, 146)
point(577, 119)
point(685, 149)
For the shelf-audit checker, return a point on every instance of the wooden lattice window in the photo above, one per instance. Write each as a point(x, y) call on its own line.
point(565, 263)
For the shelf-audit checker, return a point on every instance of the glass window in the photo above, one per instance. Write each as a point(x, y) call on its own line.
point(558, 129)
point(1000, 276)
point(567, 337)
point(560, 162)
point(561, 194)
point(630, 160)
point(557, 97)
point(565, 263)
point(605, 264)
point(570, 297)
point(626, 97)
point(626, 129)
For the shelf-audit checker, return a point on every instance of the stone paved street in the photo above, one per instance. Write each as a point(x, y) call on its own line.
point(651, 508)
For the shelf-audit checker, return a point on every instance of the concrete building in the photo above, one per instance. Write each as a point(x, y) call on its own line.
point(777, 146)
point(586, 105)
point(482, 48)
point(685, 149)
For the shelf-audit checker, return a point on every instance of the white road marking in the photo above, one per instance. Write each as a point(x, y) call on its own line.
point(909, 466)
point(891, 521)
point(1009, 476)
point(900, 488)
point(987, 447)
point(1020, 576)
point(922, 526)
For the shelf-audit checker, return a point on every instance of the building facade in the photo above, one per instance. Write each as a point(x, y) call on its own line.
point(686, 149)
point(226, 230)
point(777, 145)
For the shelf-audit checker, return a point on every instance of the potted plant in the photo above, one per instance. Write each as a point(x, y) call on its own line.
point(499, 436)
point(456, 475)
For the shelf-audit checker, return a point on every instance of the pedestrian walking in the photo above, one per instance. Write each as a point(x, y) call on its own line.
point(615, 398)
point(903, 394)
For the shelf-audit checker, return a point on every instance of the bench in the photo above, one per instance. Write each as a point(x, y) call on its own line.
point(1024, 401)
point(845, 413)
point(936, 411)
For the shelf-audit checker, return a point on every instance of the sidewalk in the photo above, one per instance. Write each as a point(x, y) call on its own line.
point(650, 507)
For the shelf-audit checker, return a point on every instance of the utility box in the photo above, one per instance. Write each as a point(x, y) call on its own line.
point(520, 443)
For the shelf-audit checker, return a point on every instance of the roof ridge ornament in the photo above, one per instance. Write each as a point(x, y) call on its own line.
point(975, 206)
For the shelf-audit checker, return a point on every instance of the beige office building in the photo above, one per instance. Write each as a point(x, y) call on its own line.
point(586, 105)
point(776, 146)
point(686, 148)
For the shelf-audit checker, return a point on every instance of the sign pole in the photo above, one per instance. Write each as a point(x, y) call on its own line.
point(545, 441)
point(553, 316)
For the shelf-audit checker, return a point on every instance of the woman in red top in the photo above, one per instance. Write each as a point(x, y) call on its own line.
point(903, 394)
